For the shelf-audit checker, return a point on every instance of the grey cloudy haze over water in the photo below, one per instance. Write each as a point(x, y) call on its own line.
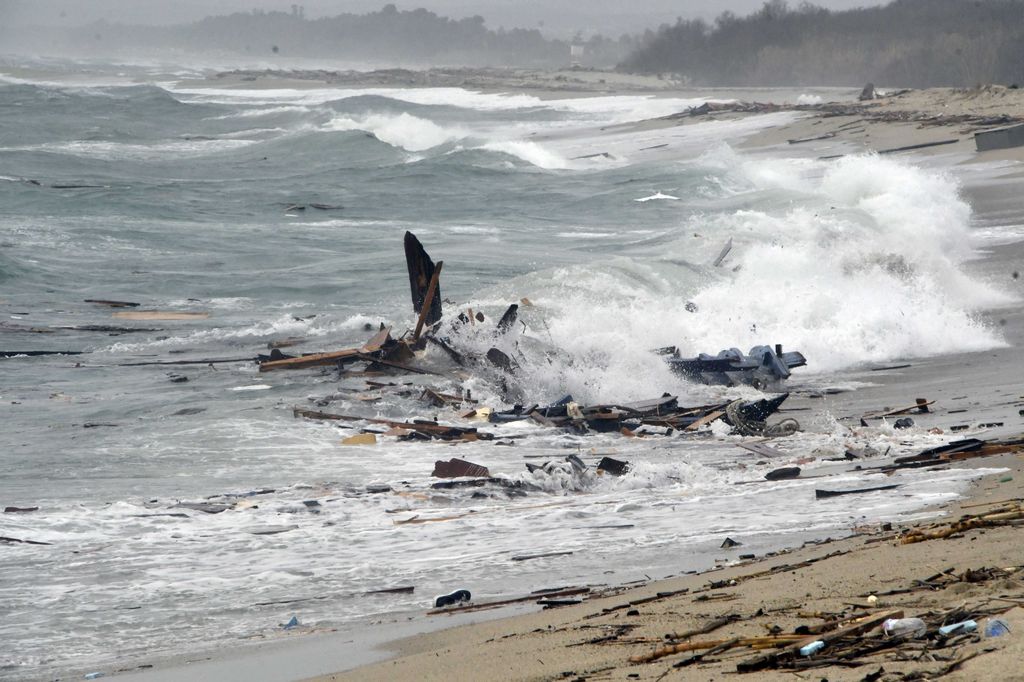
point(611, 17)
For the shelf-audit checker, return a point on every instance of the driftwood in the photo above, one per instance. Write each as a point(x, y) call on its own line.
point(771, 640)
point(432, 429)
point(159, 315)
point(825, 494)
point(772, 659)
point(996, 517)
point(112, 304)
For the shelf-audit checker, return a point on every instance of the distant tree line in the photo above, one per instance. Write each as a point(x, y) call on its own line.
point(389, 36)
point(913, 43)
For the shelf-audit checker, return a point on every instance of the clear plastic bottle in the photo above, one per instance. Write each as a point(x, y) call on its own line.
point(958, 628)
point(904, 627)
point(812, 648)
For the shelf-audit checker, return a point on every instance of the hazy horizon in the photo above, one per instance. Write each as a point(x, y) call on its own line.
point(554, 17)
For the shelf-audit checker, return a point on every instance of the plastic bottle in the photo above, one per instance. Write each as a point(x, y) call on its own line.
point(812, 648)
point(996, 627)
point(904, 627)
point(962, 626)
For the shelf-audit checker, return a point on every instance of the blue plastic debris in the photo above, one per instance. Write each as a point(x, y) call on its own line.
point(996, 627)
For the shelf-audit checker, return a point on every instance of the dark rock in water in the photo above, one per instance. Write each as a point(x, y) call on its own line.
point(612, 466)
point(903, 423)
point(456, 597)
point(782, 474)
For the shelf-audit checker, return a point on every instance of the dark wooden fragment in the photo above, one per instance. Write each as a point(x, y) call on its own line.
point(455, 468)
point(112, 304)
point(36, 353)
point(508, 319)
point(824, 494)
point(421, 270)
point(612, 466)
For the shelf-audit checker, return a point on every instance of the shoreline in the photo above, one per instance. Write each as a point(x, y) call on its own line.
point(829, 574)
point(494, 638)
point(547, 644)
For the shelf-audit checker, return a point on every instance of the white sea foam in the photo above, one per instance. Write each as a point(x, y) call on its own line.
point(404, 130)
point(657, 196)
point(530, 152)
point(863, 263)
point(120, 150)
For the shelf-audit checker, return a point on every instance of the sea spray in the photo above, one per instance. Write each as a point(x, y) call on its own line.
point(852, 262)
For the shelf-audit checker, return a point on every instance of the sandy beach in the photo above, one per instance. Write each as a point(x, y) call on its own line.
point(809, 585)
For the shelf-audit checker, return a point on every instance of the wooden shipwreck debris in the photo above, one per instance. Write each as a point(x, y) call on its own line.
point(159, 315)
point(664, 412)
point(431, 429)
point(421, 273)
point(825, 494)
point(455, 468)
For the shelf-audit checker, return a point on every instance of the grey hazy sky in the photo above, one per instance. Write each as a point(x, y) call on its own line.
point(611, 17)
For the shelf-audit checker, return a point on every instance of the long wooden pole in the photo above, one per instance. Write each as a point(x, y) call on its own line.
point(428, 300)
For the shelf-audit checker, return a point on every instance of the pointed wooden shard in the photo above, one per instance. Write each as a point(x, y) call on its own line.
point(421, 271)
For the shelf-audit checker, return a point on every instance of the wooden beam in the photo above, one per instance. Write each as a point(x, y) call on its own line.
point(431, 288)
point(312, 360)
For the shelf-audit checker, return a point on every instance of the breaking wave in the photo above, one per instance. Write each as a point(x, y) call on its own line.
point(404, 130)
point(858, 261)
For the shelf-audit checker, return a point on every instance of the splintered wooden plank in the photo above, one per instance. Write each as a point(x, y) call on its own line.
point(311, 360)
point(112, 304)
point(921, 406)
point(158, 315)
point(373, 345)
point(706, 419)
point(377, 341)
point(432, 288)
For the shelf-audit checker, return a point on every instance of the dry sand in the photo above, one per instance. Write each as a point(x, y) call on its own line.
point(559, 643)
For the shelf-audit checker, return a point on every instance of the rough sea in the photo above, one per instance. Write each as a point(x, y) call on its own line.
point(128, 183)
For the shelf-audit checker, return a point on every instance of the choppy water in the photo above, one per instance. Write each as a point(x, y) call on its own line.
point(184, 208)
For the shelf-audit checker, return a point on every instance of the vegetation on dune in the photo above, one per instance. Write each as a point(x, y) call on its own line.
point(915, 43)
